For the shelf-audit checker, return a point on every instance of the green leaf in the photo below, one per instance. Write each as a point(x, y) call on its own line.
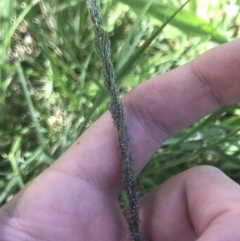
point(134, 35)
point(12, 156)
point(186, 21)
point(206, 122)
point(193, 6)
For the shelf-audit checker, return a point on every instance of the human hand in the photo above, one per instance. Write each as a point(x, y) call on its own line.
point(77, 197)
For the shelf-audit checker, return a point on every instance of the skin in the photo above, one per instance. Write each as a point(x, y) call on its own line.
point(76, 197)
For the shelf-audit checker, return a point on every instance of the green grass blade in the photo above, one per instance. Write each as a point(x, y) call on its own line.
point(206, 122)
point(8, 189)
point(135, 57)
point(31, 108)
point(13, 160)
point(128, 48)
point(193, 4)
point(186, 21)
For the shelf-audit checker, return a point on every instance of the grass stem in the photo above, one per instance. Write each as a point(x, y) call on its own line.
point(102, 44)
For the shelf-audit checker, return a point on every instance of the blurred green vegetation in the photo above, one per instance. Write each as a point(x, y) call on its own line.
point(51, 89)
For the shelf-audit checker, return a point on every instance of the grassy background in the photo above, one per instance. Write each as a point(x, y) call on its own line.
point(51, 88)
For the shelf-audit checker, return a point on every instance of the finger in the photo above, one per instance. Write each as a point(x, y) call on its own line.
point(155, 110)
point(199, 203)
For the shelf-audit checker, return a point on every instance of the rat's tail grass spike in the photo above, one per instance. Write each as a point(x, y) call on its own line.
point(102, 44)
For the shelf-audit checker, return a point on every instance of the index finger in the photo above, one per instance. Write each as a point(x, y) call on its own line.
point(153, 111)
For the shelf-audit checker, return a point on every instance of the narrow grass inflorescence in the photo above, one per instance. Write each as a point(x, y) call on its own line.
point(102, 44)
